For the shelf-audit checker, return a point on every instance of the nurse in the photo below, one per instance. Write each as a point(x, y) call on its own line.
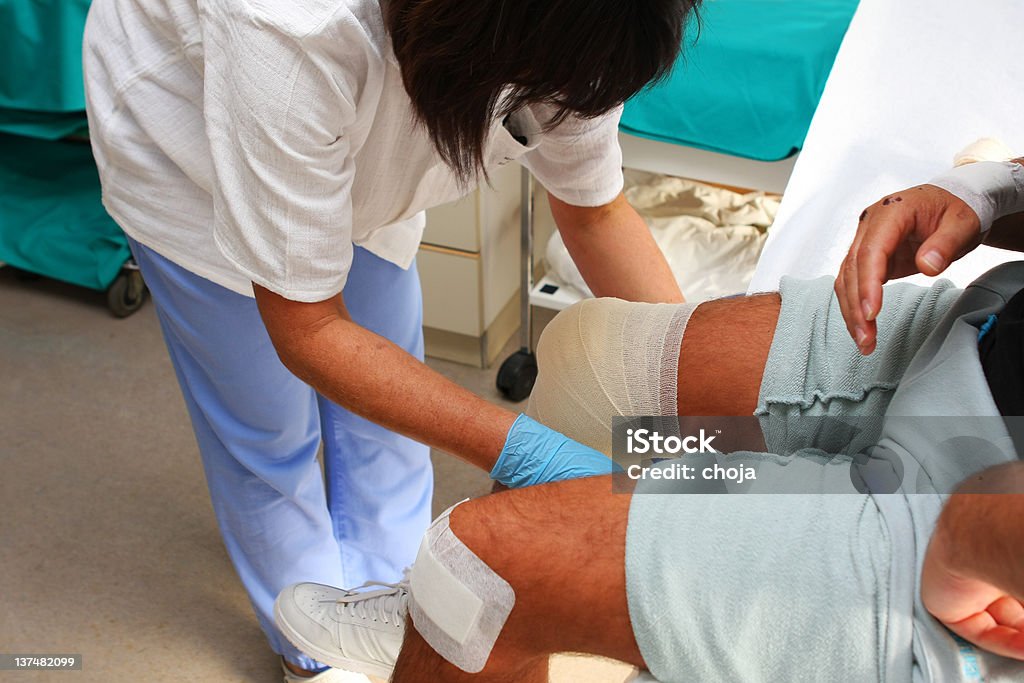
point(271, 162)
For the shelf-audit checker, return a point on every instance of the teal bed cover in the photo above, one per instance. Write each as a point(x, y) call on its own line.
point(51, 219)
point(751, 83)
point(42, 51)
point(41, 93)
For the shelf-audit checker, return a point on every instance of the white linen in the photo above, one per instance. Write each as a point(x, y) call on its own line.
point(247, 140)
point(914, 82)
point(711, 237)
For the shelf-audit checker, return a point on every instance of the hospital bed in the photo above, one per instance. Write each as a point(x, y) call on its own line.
point(733, 112)
point(914, 82)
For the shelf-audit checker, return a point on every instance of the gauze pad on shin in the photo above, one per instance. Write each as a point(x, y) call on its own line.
point(606, 357)
point(458, 604)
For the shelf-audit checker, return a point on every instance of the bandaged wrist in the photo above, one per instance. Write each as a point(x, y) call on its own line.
point(992, 189)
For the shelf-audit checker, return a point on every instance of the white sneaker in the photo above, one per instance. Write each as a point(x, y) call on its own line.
point(325, 676)
point(359, 632)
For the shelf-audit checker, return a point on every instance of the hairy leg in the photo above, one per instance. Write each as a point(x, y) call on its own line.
point(562, 548)
point(418, 662)
point(723, 355)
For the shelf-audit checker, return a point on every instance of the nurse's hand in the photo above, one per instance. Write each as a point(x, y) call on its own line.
point(920, 230)
point(535, 454)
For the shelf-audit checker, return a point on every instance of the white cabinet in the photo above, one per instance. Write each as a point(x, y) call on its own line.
point(469, 268)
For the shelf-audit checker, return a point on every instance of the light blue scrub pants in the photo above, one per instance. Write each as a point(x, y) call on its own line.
point(259, 428)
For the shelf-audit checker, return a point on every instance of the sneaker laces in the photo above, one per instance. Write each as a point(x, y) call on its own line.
point(389, 603)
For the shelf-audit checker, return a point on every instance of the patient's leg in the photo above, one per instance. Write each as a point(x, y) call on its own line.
point(607, 357)
point(723, 355)
point(570, 588)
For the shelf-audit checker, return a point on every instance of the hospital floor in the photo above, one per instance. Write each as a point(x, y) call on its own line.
point(108, 544)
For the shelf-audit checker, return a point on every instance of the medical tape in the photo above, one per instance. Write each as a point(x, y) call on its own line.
point(993, 189)
point(458, 604)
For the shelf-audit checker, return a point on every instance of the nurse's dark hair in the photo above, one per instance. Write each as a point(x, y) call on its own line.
point(583, 56)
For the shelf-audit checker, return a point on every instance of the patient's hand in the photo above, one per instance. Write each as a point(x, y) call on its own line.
point(919, 230)
point(972, 608)
point(973, 576)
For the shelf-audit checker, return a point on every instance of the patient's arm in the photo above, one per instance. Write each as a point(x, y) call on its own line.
point(919, 230)
point(1007, 233)
point(973, 577)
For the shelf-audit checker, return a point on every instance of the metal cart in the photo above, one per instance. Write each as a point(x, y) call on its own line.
point(518, 373)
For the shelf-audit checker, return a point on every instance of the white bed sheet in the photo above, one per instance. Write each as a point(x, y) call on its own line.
point(914, 82)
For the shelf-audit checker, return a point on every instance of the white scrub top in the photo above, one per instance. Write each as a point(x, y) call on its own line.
point(258, 140)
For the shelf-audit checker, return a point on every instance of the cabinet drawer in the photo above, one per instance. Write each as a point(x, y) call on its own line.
point(451, 290)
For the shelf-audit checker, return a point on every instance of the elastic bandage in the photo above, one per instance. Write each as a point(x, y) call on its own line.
point(986, 181)
point(606, 357)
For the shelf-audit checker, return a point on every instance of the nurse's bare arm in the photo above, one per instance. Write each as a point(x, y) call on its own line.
point(615, 252)
point(376, 379)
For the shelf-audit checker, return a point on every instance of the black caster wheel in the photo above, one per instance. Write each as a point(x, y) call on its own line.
point(25, 275)
point(127, 293)
point(517, 375)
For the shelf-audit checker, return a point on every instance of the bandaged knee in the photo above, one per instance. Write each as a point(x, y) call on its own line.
point(603, 358)
point(457, 603)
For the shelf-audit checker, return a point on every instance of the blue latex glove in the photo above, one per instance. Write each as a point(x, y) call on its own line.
point(535, 454)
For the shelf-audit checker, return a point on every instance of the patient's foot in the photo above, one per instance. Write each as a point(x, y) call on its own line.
point(359, 632)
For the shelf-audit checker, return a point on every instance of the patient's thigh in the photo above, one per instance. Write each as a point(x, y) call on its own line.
point(723, 355)
point(606, 357)
point(763, 588)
